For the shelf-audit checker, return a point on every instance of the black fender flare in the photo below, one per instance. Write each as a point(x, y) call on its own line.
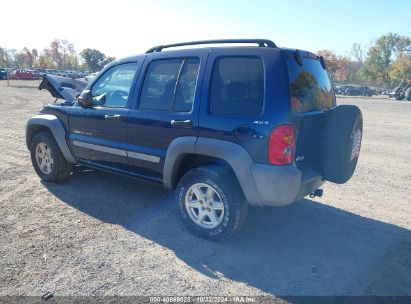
point(235, 155)
point(57, 130)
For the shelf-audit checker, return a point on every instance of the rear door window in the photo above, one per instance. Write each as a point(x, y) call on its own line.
point(237, 87)
point(186, 86)
point(311, 88)
point(170, 85)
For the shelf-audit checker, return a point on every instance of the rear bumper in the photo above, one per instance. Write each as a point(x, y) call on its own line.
point(282, 185)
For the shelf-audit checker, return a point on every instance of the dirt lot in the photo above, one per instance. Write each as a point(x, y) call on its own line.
point(101, 234)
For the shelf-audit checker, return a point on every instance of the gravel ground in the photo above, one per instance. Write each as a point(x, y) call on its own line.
point(102, 234)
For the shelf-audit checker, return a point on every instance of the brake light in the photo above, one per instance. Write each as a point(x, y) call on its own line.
point(282, 145)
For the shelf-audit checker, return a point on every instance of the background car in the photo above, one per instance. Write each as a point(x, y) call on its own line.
point(3, 74)
point(355, 90)
point(23, 74)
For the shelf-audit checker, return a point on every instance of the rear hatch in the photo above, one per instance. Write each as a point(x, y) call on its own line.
point(312, 95)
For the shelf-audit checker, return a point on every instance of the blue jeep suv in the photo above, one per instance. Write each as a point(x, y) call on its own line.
point(227, 126)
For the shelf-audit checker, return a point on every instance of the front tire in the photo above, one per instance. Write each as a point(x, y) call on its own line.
point(47, 159)
point(211, 202)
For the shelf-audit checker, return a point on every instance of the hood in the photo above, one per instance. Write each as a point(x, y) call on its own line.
point(62, 87)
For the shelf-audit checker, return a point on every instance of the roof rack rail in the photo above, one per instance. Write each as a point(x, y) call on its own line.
point(260, 42)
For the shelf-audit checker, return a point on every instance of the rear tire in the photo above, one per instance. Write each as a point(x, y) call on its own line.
point(341, 143)
point(218, 185)
point(47, 159)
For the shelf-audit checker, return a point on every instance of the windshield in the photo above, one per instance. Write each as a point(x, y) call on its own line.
point(311, 88)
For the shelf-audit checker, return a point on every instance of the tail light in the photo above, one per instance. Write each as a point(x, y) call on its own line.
point(282, 145)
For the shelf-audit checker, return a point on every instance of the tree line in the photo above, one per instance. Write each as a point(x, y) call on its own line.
point(385, 63)
point(59, 55)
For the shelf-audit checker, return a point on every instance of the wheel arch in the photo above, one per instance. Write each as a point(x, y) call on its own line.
point(51, 124)
point(190, 161)
point(186, 153)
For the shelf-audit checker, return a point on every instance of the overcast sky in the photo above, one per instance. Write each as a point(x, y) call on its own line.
point(125, 27)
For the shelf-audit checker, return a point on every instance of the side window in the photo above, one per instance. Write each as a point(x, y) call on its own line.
point(170, 85)
point(113, 87)
point(237, 87)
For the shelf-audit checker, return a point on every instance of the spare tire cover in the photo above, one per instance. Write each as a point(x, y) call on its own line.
point(341, 143)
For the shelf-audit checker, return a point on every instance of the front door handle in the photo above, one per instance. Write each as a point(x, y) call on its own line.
point(112, 117)
point(182, 123)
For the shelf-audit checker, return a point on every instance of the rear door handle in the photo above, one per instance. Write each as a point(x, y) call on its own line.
point(182, 123)
point(112, 117)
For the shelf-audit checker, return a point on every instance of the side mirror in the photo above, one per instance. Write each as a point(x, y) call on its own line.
point(86, 99)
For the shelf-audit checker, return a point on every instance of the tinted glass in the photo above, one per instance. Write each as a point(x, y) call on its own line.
point(237, 87)
point(311, 88)
point(113, 88)
point(187, 85)
point(160, 84)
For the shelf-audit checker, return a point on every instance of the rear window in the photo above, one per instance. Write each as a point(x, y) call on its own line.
point(311, 88)
point(237, 88)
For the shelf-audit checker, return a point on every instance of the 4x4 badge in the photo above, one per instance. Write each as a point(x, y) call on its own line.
point(260, 122)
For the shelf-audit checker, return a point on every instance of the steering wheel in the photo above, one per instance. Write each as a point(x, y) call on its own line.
point(117, 94)
point(116, 98)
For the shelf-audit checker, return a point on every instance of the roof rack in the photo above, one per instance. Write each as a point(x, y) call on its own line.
point(260, 42)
